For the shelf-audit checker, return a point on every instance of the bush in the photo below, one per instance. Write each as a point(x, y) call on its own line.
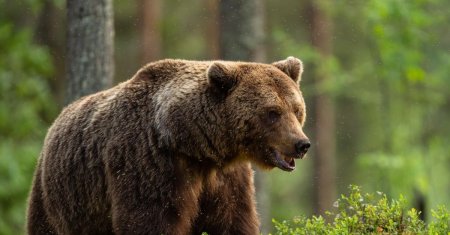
point(360, 213)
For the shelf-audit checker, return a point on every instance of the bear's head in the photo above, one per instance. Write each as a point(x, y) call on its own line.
point(264, 109)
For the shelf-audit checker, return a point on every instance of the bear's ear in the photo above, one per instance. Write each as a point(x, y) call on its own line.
point(221, 77)
point(291, 66)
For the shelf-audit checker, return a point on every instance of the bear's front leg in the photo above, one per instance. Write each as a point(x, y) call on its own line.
point(227, 204)
point(151, 201)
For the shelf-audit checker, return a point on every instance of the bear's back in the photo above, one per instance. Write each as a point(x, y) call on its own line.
point(163, 71)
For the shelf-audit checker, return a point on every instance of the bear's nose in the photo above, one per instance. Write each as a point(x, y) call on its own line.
point(302, 146)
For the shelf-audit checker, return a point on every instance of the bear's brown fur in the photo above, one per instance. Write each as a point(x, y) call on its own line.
point(169, 151)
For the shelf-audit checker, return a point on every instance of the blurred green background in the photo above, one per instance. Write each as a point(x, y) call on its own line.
point(387, 77)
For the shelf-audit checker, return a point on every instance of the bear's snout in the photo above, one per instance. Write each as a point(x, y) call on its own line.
point(302, 146)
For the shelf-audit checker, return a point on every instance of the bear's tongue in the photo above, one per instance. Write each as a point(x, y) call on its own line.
point(284, 163)
point(290, 161)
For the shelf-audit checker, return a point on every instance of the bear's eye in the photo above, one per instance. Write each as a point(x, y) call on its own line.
point(273, 116)
point(298, 114)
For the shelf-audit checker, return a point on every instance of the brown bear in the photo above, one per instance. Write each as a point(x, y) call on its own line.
point(169, 151)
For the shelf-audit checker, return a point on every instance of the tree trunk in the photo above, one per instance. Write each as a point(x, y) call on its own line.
point(149, 30)
point(324, 159)
point(90, 64)
point(241, 37)
point(241, 29)
point(212, 31)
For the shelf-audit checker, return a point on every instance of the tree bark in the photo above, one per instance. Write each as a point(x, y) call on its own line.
point(241, 29)
point(241, 37)
point(212, 30)
point(149, 30)
point(325, 150)
point(90, 64)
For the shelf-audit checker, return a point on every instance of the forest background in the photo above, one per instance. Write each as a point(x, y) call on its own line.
point(376, 84)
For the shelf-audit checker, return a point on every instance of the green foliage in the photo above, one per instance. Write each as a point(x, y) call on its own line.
point(389, 77)
point(359, 213)
point(26, 108)
point(408, 97)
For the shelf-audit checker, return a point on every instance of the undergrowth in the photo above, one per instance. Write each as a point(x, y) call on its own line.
point(365, 213)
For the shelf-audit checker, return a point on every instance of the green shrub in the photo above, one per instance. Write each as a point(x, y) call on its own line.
point(360, 213)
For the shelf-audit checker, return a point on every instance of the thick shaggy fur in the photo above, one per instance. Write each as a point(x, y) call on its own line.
point(166, 152)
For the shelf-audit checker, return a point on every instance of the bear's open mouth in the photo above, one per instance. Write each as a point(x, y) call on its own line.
point(283, 162)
